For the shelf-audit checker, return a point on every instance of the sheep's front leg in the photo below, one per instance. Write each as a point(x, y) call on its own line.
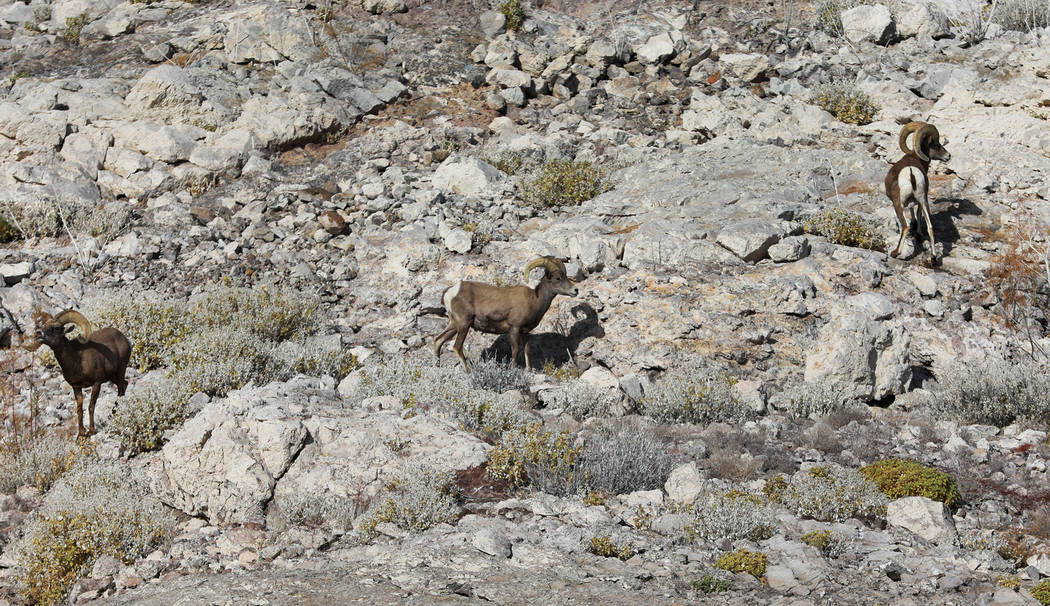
point(515, 346)
point(78, 394)
point(95, 389)
point(528, 358)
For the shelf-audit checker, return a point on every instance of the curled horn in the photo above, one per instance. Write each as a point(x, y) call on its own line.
point(75, 317)
point(927, 135)
point(550, 264)
point(908, 129)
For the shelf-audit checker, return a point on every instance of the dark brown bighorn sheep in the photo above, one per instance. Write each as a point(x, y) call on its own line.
point(88, 360)
point(908, 181)
point(511, 310)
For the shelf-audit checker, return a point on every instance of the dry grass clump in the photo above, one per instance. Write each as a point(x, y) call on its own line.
point(846, 102)
point(694, 395)
point(995, 392)
point(565, 183)
point(845, 228)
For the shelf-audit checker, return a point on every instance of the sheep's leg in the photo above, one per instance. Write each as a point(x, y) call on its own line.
point(95, 389)
point(528, 358)
point(515, 345)
point(929, 227)
point(457, 347)
point(441, 339)
point(122, 384)
point(78, 394)
point(905, 226)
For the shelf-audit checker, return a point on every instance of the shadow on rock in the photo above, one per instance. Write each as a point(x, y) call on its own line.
point(553, 347)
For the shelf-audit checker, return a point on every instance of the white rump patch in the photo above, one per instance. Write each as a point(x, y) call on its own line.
point(451, 294)
point(904, 180)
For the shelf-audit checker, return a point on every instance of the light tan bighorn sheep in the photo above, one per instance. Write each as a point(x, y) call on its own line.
point(89, 360)
point(511, 310)
point(908, 182)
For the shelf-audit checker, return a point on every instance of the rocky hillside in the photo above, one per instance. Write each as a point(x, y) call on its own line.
point(749, 402)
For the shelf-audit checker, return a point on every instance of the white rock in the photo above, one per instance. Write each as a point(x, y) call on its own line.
point(741, 68)
point(925, 517)
point(458, 240)
point(750, 239)
point(656, 49)
point(14, 273)
point(467, 175)
point(868, 23)
point(684, 483)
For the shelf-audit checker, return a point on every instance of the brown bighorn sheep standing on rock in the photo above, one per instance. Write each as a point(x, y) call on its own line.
point(512, 310)
point(908, 181)
point(89, 360)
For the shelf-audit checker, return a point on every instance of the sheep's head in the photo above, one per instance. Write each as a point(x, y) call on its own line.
point(54, 330)
point(928, 144)
point(555, 274)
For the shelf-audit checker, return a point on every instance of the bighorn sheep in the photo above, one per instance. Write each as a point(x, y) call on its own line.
point(908, 182)
point(89, 360)
point(512, 310)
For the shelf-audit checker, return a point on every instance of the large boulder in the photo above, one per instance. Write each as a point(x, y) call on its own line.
point(868, 23)
point(165, 86)
point(465, 175)
point(921, 18)
point(927, 518)
point(268, 33)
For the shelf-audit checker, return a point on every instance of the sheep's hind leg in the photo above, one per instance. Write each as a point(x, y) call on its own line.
point(461, 336)
point(929, 227)
point(441, 339)
point(78, 394)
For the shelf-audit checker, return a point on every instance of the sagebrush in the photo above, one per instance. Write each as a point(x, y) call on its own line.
point(694, 395)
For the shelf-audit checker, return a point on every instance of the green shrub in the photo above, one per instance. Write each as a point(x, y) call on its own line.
point(98, 508)
point(8, 232)
point(422, 498)
point(710, 584)
point(742, 560)
point(694, 395)
point(831, 544)
point(1041, 592)
point(514, 11)
point(74, 25)
point(141, 418)
point(530, 454)
point(993, 392)
point(845, 228)
point(508, 163)
point(846, 103)
point(603, 546)
point(898, 478)
point(154, 327)
point(830, 493)
point(565, 183)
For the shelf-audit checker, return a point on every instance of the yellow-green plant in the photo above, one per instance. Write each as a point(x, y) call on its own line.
point(897, 478)
point(1041, 592)
point(532, 447)
point(743, 560)
point(514, 12)
point(847, 103)
point(8, 232)
point(422, 498)
point(603, 546)
point(565, 183)
point(710, 584)
point(74, 25)
point(845, 228)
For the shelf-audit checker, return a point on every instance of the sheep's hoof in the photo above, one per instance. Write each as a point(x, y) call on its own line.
point(895, 253)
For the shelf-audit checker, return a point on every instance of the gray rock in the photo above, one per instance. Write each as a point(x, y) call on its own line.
point(741, 68)
point(927, 518)
point(492, 23)
point(656, 49)
point(492, 541)
point(789, 249)
point(684, 483)
point(864, 357)
point(750, 239)
point(920, 18)
point(458, 240)
point(268, 33)
point(868, 23)
point(781, 579)
point(167, 86)
point(513, 96)
point(381, 7)
point(13, 273)
point(465, 175)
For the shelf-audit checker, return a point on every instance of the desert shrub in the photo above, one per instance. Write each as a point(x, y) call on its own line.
point(562, 373)
point(831, 544)
point(314, 510)
point(226, 337)
point(742, 560)
point(422, 498)
point(711, 583)
point(141, 418)
point(495, 376)
point(514, 11)
point(104, 223)
point(694, 395)
point(898, 478)
point(508, 163)
point(417, 383)
point(603, 546)
point(845, 228)
point(980, 539)
point(530, 455)
point(995, 392)
point(622, 457)
point(98, 508)
point(1022, 15)
point(37, 458)
point(581, 400)
point(8, 232)
point(817, 399)
point(731, 514)
point(830, 493)
point(846, 102)
point(74, 25)
point(565, 183)
point(1041, 592)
